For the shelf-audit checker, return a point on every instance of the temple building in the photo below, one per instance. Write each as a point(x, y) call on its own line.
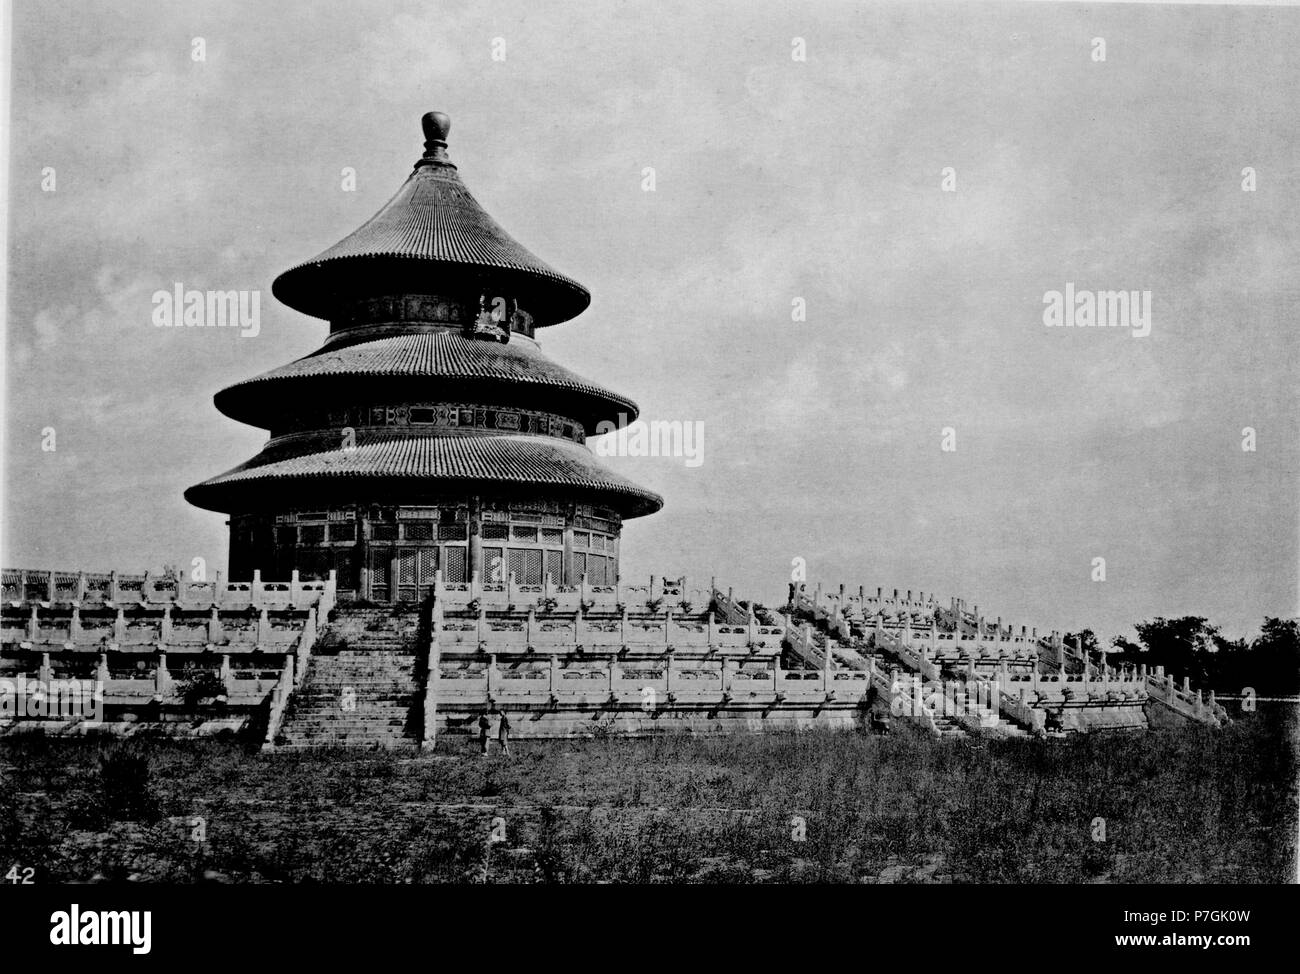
point(428, 432)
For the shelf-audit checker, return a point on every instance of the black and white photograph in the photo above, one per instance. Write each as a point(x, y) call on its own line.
point(454, 444)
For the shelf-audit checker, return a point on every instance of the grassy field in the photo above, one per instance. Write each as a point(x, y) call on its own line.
point(1191, 805)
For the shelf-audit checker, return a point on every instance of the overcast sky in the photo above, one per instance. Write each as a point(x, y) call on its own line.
point(775, 179)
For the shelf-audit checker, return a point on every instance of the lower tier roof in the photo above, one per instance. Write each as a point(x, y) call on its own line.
point(485, 463)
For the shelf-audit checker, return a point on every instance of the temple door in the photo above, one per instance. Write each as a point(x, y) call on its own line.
point(405, 571)
point(427, 569)
point(380, 564)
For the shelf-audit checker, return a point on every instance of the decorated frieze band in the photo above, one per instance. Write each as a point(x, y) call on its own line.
point(441, 415)
point(486, 314)
point(540, 511)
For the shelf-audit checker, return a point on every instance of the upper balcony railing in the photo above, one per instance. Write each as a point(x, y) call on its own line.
point(21, 585)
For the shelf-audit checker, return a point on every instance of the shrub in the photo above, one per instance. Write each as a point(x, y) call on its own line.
point(125, 791)
point(199, 686)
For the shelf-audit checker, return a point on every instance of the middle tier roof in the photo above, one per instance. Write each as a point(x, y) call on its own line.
point(442, 364)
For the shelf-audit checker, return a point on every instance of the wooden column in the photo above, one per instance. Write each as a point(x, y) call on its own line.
point(364, 580)
point(568, 576)
point(474, 554)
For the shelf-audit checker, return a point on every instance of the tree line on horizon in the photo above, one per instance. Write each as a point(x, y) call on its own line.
point(1191, 646)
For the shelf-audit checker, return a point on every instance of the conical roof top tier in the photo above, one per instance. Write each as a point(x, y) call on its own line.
point(432, 229)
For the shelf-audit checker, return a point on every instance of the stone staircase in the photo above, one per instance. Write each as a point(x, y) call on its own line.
point(948, 727)
point(363, 686)
point(856, 659)
point(945, 725)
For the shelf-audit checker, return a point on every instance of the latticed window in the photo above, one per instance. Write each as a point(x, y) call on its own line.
point(383, 532)
point(418, 530)
point(580, 539)
point(379, 568)
point(315, 565)
point(451, 532)
point(526, 564)
point(495, 532)
point(523, 533)
point(313, 534)
point(555, 566)
point(553, 536)
point(406, 568)
point(345, 575)
point(494, 568)
point(454, 565)
point(428, 565)
point(579, 564)
point(343, 532)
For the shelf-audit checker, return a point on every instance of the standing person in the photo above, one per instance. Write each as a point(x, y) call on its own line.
point(484, 725)
point(503, 733)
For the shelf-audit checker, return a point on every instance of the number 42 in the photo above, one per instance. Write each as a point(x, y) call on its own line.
point(25, 879)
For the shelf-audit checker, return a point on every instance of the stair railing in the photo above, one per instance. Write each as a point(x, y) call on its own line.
point(279, 703)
